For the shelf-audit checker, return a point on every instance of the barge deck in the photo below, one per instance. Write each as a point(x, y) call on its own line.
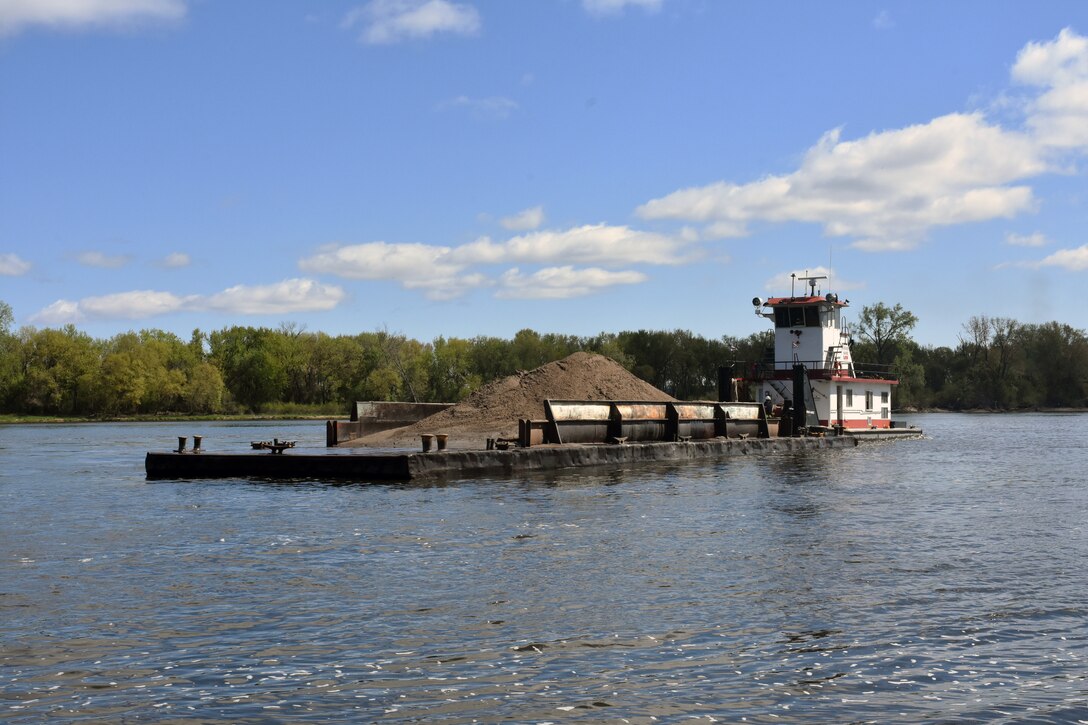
point(409, 466)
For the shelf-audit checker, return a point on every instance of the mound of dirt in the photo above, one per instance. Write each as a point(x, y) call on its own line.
point(493, 411)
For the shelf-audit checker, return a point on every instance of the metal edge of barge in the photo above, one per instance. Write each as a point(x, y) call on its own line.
point(408, 466)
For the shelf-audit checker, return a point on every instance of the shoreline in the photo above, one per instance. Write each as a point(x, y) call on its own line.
point(6, 419)
point(70, 420)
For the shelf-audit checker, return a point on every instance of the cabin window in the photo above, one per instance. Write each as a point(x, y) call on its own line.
point(781, 317)
point(849, 398)
point(884, 397)
point(884, 413)
point(812, 316)
point(868, 400)
point(797, 317)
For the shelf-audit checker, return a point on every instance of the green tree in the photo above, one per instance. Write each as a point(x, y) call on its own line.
point(59, 369)
point(911, 391)
point(450, 375)
point(204, 389)
point(9, 356)
point(251, 368)
point(884, 328)
point(1057, 365)
point(492, 358)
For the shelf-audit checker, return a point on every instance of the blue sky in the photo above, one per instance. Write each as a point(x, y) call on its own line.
point(438, 167)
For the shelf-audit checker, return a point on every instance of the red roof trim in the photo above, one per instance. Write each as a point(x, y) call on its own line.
point(777, 301)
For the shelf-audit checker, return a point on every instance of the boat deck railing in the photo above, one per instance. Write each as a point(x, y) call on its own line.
point(821, 369)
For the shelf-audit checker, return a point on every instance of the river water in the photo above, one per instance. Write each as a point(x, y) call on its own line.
point(941, 579)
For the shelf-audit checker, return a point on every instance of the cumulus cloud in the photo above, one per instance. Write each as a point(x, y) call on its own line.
point(11, 265)
point(587, 244)
point(561, 282)
point(16, 15)
point(524, 220)
point(59, 313)
point(415, 266)
point(1058, 118)
point(1026, 240)
point(616, 7)
point(783, 281)
point(381, 260)
point(134, 305)
point(1074, 260)
point(290, 295)
point(445, 272)
point(391, 21)
point(102, 260)
point(885, 190)
point(130, 305)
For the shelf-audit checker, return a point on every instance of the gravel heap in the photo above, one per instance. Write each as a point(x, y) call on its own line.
point(493, 411)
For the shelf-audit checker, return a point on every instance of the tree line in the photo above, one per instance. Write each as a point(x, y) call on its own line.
point(998, 363)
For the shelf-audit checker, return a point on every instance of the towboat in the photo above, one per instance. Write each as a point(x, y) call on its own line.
point(810, 376)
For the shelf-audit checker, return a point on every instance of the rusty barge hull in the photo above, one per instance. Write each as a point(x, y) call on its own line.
point(409, 466)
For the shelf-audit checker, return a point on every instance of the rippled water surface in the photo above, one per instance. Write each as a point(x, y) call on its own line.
point(941, 579)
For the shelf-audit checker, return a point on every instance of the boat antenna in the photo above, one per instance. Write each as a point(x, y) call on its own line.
point(830, 247)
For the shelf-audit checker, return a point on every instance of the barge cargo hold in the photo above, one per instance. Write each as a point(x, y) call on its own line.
point(410, 466)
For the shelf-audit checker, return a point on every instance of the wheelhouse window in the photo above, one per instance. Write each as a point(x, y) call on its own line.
point(806, 316)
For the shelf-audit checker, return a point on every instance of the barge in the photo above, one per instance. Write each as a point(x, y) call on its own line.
point(364, 467)
point(810, 396)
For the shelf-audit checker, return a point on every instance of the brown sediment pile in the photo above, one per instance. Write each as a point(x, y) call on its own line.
point(493, 411)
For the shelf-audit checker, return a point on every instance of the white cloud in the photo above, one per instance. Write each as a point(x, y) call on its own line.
point(445, 272)
point(883, 21)
point(18, 14)
point(1074, 260)
point(588, 244)
point(135, 305)
point(1058, 118)
point(782, 282)
point(58, 313)
point(130, 305)
point(615, 7)
point(391, 21)
point(11, 265)
point(415, 266)
point(524, 220)
point(102, 260)
point(562, 282)
point(495, 107)
point(381, 260)
point(291, 295)
point(1055, 62)
point(885, 190)
point(176, 259)
point(1038, 239)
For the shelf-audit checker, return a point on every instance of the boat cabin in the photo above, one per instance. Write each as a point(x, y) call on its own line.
point(812, 365)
